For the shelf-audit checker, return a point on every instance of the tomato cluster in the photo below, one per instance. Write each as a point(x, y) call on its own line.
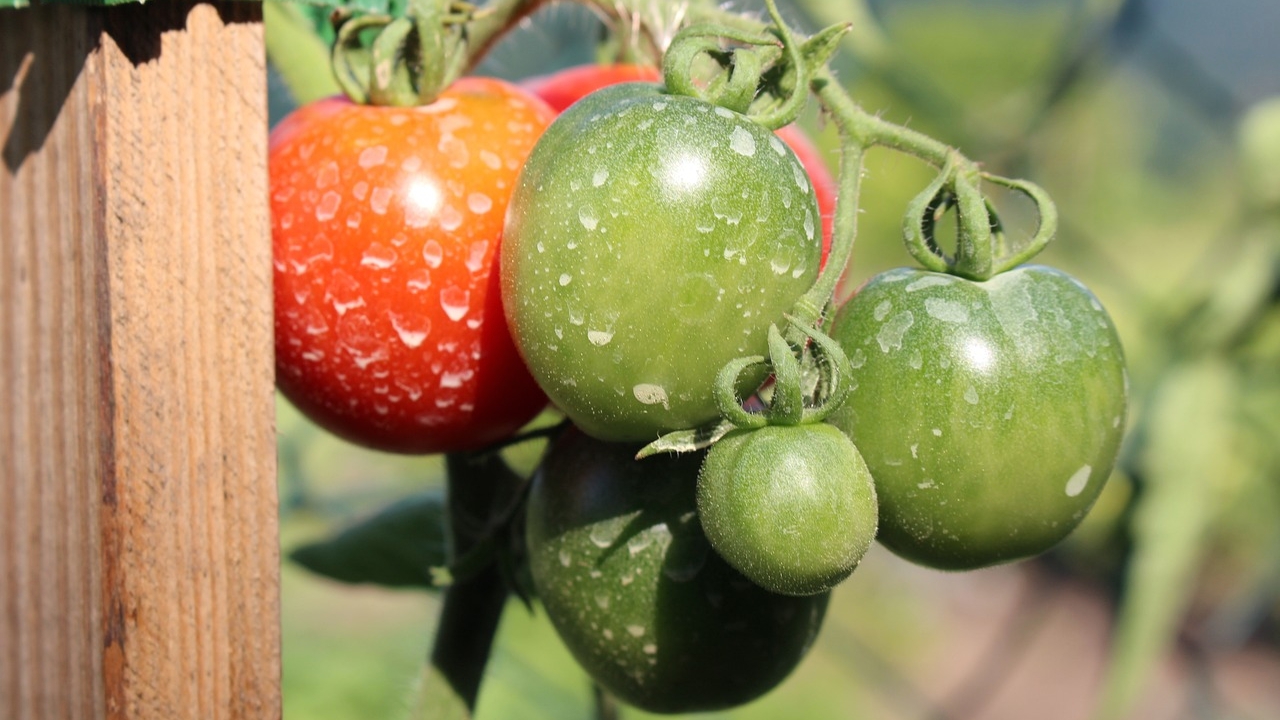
point(443, 271)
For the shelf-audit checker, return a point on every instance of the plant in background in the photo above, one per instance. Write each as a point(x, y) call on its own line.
point(660, 271)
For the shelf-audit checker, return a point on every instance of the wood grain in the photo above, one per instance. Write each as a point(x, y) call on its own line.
point(138, 537)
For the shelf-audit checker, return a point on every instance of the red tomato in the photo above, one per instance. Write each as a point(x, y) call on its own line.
point(386, 224)
point(565, 87)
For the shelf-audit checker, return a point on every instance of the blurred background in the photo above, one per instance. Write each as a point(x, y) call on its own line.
point(1156, 128)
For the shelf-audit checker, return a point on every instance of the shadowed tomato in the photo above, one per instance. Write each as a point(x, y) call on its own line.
point(386, 224)
point(564, 88)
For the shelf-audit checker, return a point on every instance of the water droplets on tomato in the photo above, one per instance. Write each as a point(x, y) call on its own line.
point(479, 203)
point(742, 142)
point(380, 200)
point(378, 257)
point(372, 156)
point(455, 302)
point(432, 253)
point(1078, 480)
point(476, 255)
point(328, 206)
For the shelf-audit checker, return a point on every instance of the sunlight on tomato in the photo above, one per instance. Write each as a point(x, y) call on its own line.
point(386, 224)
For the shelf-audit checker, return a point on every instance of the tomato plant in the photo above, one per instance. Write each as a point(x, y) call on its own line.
point(645, 605)
point(386, 224)
point(651, 239)
point(989, 413)
point(565, 87)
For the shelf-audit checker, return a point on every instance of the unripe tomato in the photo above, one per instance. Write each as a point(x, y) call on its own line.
point(989, 413)
point(386, 224)
point(645, 605)
point(792, 508)
point(565, 87)
point(651, 239)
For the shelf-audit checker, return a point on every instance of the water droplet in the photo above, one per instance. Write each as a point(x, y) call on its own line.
point(378, 256)
point(777, 146)
point(857, 359)
point(599, 337)
point(602, 601)
point(380, 200)
point(937, 432)
point(575, 316)
point(971, 395)
point(450, 218)
point(419, 280)
point(891, 333)
point(565, 558)
point(328, 206)
point(635, 630)
point(454, 380)
point(650, 649)
point(565, 279)
point(600, 177)
point(373, 156)
point(479, 203)
point(603, 534)
point(455, 301)
point(587, 216)
point(412, 329)
point(741, 142)
point(475, 258)
point(650, 394)
point(328, 175)
point(343, 292)
point(433, 254)
point(1077, 482)
point(946, 310)
point(882, 310)
point(929, 281)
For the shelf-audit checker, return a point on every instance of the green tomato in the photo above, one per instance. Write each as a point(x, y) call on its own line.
point(651, 239)
point(649, 610)
point(990, 413)
point(792, 508)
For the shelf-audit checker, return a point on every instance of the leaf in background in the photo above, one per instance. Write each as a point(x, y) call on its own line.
point(1191, 426)
point(398, 547)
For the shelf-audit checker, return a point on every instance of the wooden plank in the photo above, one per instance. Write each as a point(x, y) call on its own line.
point(138, 536)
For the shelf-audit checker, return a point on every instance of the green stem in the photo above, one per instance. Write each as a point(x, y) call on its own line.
point(472, 607)
point(846, 115)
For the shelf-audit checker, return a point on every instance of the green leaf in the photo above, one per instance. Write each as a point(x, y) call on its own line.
point(687, 440)
point(1189, 447)
point(398, 547)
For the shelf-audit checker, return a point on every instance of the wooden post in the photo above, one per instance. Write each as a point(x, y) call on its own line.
point(138, 535)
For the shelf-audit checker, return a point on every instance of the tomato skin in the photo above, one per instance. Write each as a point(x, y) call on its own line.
point(386, 224)
point(650, 240)
point(648, 609)
point(792, 508)
point(565, 87)
point(989, 413)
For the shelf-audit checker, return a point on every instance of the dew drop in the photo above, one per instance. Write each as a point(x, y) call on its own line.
point(373, 156)
point(600, 177)
point(476, 255)
point(599, 337)
point(1077, 482)
point(456, 302)
point(741, 142)
point(479, 203)
point(378, 257)
point(380, 200)
point(412, 329)
point(328, 206)
point(565, 279)
point(450, 218)
point(587, 216)
point(650, 394)
point(433, 254)
point(971, 395)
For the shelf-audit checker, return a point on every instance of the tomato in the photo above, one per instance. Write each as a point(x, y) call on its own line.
point(648, 609)
point(989, 413)
point(792, 508)
point(651, 239)
point(565, 87)
point(386, 224)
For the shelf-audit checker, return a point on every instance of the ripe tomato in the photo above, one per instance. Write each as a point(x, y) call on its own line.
point(565, 87)
point(989, 413)
point(651, 239)
point(386, 224)
point(792, 508)
point(647, 608)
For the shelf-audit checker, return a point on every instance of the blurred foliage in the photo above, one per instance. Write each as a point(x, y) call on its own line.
point(1169, 194)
